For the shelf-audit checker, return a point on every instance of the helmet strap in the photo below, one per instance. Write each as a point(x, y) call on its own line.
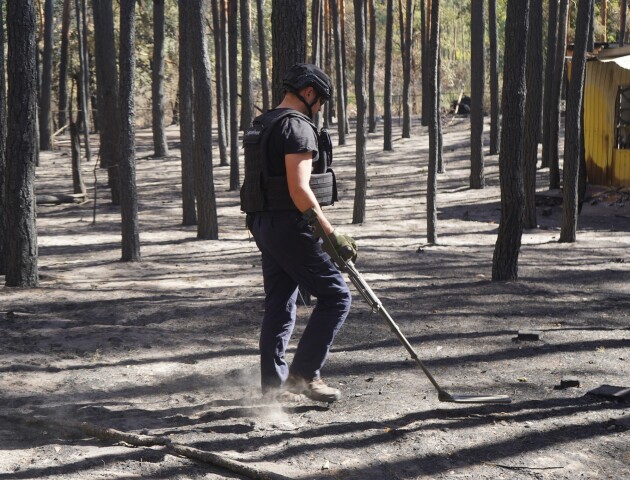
point(309, 106)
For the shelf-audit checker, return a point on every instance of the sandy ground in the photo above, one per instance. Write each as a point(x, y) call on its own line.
point(168, 346)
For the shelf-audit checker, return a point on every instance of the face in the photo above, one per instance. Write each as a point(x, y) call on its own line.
point(311, 95)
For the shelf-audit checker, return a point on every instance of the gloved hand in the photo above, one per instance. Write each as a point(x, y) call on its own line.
point(339, 245)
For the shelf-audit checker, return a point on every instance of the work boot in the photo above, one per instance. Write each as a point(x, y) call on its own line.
point(314, 389)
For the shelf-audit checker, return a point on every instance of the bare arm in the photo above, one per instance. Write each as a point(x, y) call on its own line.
point(298, 167)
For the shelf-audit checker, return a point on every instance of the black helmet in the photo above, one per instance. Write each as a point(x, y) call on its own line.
point(302, 75)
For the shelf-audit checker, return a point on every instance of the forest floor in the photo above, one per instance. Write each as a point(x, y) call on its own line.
point(168, 346)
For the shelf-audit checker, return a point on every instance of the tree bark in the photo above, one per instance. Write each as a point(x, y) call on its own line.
point(495, 107)
point(556, 97)
point(160, 147)
point(186, 122)
point(387, 95)
point(424, 63)
point(127, 168)
point(207, 227)
point(477, 90)
point(372, 68)
point(552, 41)
point(247, 94)
point(45, 116)
point(407, 52)
point(434, 119)
point(21, 147)
point(84, 80)
point(107, 94)
point(505, 259)
point(360, 193)
point(573, 125)
point(3, 146)
point(77, 178)
point(288, 30)
point(622, 22)
point(232, 26)
point(316, 19)
point(262, 45)
point(533, 105)
point(218, 76)
point(341, 112)
point(225, 55)
point(63, 65)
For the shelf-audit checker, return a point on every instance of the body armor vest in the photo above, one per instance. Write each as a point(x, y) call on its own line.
point(263, 192)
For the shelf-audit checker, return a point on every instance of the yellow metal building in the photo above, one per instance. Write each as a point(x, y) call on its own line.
point(607, 117)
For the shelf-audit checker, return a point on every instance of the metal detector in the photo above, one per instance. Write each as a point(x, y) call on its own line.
point(370, 297)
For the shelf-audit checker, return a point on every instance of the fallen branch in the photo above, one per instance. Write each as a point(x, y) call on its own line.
point(517, 467)
point(137, 440)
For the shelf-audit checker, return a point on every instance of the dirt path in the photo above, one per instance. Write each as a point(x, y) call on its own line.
point(168, 346)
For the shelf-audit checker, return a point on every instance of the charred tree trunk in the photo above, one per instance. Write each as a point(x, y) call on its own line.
point(45, 116)
point(358, 215)
point(160, 147)
point(207, 226)
point(75, 146)
point(21, 147)
point(573, 126)
point(262, 45)
point(434, 119)
point(186, 122)
point(341, 102)
point(84, 80)
point(387, 100)
point(247, 94)
point(107, 94)
point(407, 49)
point(622, 22)
point(127, 168)
point(508, 245)
point(372, 68)
point(62, 117)
point(477, 90)
point(533, 105)
point(495, 107)
point(3, 146)
point(232, 26)
point(220, 87)
point(552, 41)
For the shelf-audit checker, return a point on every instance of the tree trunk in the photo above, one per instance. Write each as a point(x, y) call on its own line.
point(358, 215)
point(207, 227)
point(341, 113)
point(552, 41)
point(533, 105)
point(218, 76)
point(622, 22)
point(424, 64)
point(372, 68)
point(262, 45)
point(316, 19)
point(477, 90)
point(573, 126)
point(288, 31)
point(127, 168)
point(344, 60)
point(63, 65)
point(556, 97)
point(495, 107)
point(160, 146)
point(225, 54)
point(434, 119)
point(77, 178)
point(84, 81)
point(107, 93)
point(407, 52)
point(3, 145)
point(508, 245)
point(387, 95)
point(21, 147)
point(234, 116)
point(45, 116)
point(186, 122)
point(247, 94)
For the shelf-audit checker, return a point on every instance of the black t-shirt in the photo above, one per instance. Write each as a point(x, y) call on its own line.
point(289, 135)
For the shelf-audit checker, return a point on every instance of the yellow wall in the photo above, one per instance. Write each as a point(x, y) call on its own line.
point(605, 164)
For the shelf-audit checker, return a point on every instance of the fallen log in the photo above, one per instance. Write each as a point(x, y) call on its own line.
point(58, 199)
point(137, 440)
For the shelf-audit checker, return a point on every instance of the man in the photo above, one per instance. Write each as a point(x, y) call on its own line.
point(283, 149)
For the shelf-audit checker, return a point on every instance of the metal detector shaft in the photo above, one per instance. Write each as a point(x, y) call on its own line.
point(370, 297)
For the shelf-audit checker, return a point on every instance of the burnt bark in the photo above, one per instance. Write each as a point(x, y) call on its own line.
point(247, 93)
point(341, 111)
point(186, 122)
point(127, 167)
point(220, 86)
point(434, 119)
point(107, 94)
point(62, 117)
point(573, 126)
point(3, 145)
point(358, 215)
point(508, 245)
point(495, 106)
point(21, 147)
point(262, 45)
point(552, 40)
point(477, 92)
point(406, 57)
point(372, 68)
point(160, 147)
point(232, 26)
point(45, 115)
point(387, 95)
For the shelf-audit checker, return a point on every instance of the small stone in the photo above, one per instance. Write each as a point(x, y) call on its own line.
point(569, 382)
point(528, 336)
